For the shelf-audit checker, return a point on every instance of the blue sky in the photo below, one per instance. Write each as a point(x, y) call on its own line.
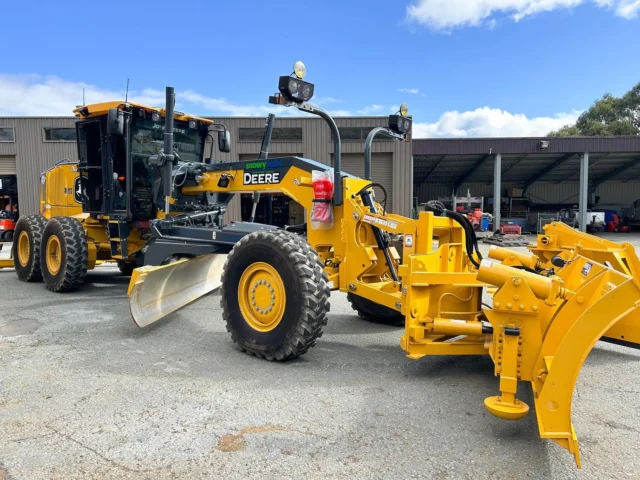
point(466, 68)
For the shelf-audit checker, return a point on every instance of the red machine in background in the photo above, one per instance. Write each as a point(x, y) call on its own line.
point(617, 225)
point(8, 218)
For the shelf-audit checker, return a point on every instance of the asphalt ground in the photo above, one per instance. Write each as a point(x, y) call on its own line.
point(84, 393)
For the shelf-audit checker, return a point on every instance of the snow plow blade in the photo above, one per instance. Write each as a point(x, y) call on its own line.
point(155, 292)
point(6, 262)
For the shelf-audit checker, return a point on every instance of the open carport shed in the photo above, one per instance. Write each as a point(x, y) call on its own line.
point(584, 165)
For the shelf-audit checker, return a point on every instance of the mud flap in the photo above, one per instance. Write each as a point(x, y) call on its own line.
point(155, 292)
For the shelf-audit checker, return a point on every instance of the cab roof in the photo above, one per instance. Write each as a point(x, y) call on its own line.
point(98, 109)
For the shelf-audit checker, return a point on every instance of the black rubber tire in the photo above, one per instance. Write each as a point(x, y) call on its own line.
point(33, 225)
point(126, 268)
point(307, 290)
point(8, 236)
point(374, 313)
point(74, 254)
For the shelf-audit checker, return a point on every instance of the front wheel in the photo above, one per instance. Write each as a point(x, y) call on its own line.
point(64, 254)
point(275, 295)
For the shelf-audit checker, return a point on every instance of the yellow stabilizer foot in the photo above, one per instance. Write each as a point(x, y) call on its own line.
point(506, 410)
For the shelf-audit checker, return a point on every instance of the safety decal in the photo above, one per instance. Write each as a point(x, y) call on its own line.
point(380, 221)
point(586, 269)
point(408, 241)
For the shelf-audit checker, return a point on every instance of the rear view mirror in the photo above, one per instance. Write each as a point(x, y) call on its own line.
point(115, 122)
point(224, 141)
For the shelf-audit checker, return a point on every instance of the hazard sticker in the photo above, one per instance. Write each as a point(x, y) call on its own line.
point(587, 268)
point(408, 241)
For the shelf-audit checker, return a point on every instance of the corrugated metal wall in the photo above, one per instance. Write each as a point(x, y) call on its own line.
point(33, 155)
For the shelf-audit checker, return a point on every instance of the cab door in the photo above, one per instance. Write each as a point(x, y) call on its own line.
point(91, 165)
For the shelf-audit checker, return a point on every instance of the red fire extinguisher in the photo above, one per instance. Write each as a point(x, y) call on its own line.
point(322, 209)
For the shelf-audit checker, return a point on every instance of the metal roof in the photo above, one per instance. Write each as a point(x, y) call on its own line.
point(457, 161)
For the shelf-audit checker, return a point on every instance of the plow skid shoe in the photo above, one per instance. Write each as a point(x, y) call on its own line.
point(155, 292)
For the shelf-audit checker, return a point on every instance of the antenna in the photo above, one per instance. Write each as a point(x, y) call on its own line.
point(83, 102)
point(126, 98)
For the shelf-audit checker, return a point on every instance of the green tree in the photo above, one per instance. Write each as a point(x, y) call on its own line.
point(608, 116)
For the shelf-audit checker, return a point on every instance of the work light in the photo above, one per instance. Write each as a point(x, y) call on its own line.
point(399, 122)
point(155, 116)
point(295, 90)
point(193, 123)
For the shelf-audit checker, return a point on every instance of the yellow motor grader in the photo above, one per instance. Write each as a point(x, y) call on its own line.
point(547, 308)
point(99, 208)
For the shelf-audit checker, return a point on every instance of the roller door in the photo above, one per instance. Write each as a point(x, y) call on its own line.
point(381, 172)
point(7, 165)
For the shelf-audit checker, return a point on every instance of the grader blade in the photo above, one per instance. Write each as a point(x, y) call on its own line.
point(6, 262)
point(155, 292)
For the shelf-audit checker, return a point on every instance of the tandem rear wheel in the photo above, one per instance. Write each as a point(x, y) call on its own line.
point(26, 247)
point(275, 295)
point(64, 254)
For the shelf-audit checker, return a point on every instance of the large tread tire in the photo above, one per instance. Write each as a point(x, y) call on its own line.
point(33, 228)
point(126, 268)
point(306, 286)
point(374, 313)
point(74, 254)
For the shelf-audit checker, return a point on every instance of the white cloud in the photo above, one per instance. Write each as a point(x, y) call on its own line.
point(415, 91)
point(35, 95)
point(449, 14)
point(370, 110)
point(491, 122)
point(339, 113)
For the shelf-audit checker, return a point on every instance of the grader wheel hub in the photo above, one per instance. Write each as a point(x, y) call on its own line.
point(24, 248)
point(262, 297)
point(54, 255)
point(506, 410)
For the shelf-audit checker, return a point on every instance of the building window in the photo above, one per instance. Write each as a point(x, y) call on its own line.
point(278, 134)
point(359, 134)
point(59, 134)
point(7, 134)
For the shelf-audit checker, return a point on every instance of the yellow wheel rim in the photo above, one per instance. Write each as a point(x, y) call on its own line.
point(54, 255)
point(24, 248)
point(262, 297)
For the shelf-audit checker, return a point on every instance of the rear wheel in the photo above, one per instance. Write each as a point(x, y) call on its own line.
point(275, 295)
point(26, 248)
point(375, 313)
point(8, 236)
point(64, 254)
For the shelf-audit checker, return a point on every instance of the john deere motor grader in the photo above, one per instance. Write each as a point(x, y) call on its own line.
point(548, 310)
point(98, 209)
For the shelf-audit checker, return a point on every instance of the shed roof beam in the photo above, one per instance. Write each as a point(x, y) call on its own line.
point(471, 171)
point(615, 172)
point(534, 178)
point(521, 158)
point(432, 169)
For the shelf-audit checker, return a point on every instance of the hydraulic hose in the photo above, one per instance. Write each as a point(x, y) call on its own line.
point(470, 234)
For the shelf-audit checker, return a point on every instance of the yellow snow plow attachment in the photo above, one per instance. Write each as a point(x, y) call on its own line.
point(155, 292)
point(544, 328)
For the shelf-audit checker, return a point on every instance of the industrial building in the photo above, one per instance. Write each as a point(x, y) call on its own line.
point(29, 146)
point(533, 175)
